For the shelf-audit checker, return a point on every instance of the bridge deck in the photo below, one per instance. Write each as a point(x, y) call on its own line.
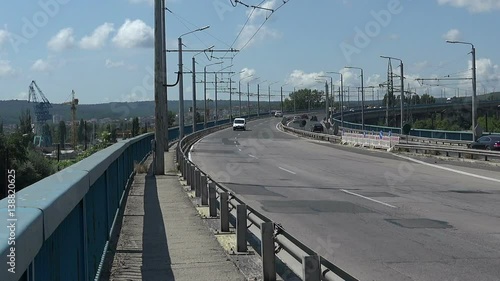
point(163, 238)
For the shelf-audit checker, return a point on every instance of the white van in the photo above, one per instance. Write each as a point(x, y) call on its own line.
point(239, 124)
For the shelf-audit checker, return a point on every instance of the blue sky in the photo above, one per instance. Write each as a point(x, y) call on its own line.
point(104, 49)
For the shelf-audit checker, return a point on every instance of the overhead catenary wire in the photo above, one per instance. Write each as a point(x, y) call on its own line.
point(183, 21)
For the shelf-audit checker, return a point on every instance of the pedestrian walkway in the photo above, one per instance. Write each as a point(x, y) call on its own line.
point(162, 236)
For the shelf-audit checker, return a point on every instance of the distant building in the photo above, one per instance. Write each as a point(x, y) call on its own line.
point(56, 119)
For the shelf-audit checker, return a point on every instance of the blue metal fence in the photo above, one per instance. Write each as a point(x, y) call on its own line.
point(64, 221)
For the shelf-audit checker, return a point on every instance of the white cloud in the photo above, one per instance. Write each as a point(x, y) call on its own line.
point(394, 36)
point(487, 73)
point(41, 66)
point(421, 65)
point(134, 34)
point(133, 97)
point(98, 38)
point(4, 37)
point(251, 33)
point(249, 36)
point(63, 40)
point(247, 72)
point(263, 13)
point(112, 64)
point(22, 96)
point(452, 34)
point(149, 2)
point(474, 6)
point(5, 68)
point(299, 78)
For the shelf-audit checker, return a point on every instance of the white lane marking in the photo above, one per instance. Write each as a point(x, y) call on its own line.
point(252, 156)
point(368, 198)
point(189, 153)
point(239, 149)
point(286, 170)
point(449, 169)
point(283, 131)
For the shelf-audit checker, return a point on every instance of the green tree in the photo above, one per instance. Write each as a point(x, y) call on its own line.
point(81, 131)
point(171, 118)
point(62, 133)
point(25, 123)
point(427, 99)
point(135, 126)
point(1, 127)
point(304, 98)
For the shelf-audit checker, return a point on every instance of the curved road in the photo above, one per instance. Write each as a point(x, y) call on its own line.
point(376, 215)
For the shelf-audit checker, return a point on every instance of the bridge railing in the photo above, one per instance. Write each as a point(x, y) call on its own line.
point(61, 225)
point(253, 227)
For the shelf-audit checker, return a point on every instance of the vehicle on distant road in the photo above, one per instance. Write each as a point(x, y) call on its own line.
point(239, 124)
point(304, 116)
point(278, 114)
point(314, 118)
point(317, 128)
point(491, 142)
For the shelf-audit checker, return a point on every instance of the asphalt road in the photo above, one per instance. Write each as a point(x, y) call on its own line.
point(376, 215)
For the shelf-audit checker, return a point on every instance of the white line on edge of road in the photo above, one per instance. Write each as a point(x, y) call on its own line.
point(252, 156)
point(189, 153)
point(286, 170)
point(368, 198)
point(448, 169)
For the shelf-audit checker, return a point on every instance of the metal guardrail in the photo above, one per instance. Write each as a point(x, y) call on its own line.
point(62, 224)
point(273, 237)
point(423, 133)
point(447, 151)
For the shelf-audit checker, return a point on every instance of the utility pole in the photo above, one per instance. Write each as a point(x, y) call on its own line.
point(160, 89)
point(474, 100)
point(216, 110)
point(326, 101)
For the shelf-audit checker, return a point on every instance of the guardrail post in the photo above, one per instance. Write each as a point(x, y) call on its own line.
point(197, 183)
point(212, 200)
point(267, 251)
point(241, 228)
point(224, 212)
point(188, 174)
point(204, 190)
point(192, 176)
point(311, 268)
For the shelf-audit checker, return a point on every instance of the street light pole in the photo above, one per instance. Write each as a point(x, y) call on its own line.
point(194, 87)
point(362, 97)
point(160, 92)
point(402, 90)
point(331, 95)
point(474, 103)
point(205, 93)
point(341, 97)
point(258, 97)
point(281, 96)
point(181, 83)
point(239, 88)
point(269, 93)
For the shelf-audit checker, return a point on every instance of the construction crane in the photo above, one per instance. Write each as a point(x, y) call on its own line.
point(41, 106)
point(73, 103)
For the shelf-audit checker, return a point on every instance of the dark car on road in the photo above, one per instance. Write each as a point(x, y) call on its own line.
point(491, 142)
point(314, 118)
point(317, 128)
